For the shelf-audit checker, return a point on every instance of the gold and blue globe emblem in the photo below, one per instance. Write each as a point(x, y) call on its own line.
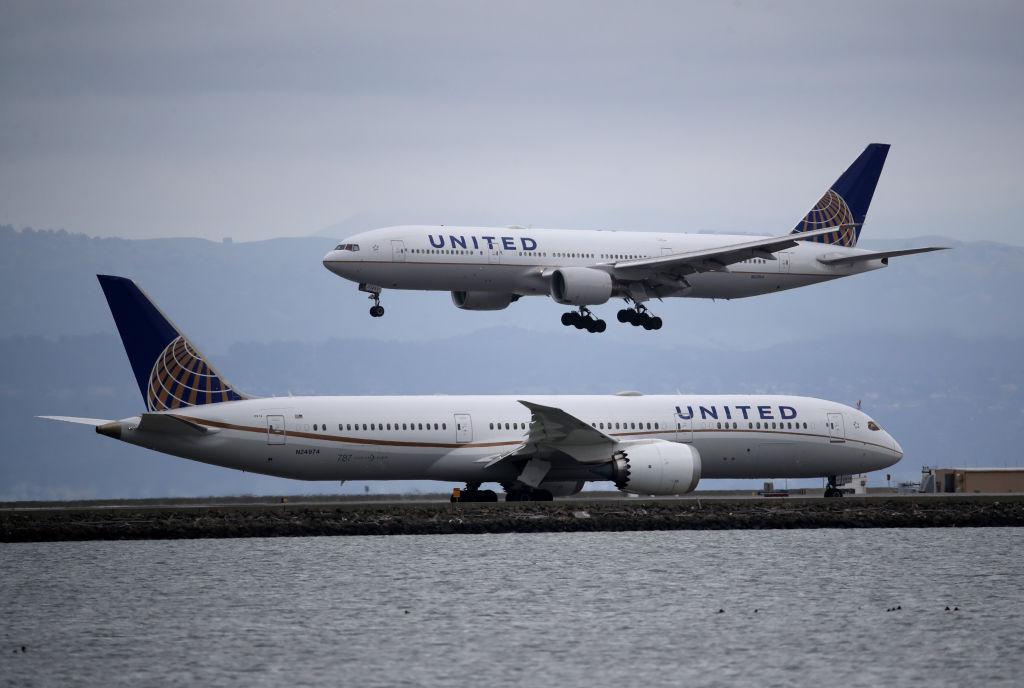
point(831, 211)
point(180, 378)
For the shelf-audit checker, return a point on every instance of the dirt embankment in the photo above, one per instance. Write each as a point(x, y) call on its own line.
point(275, 520)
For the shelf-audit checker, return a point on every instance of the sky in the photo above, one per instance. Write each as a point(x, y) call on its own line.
point(256, 120)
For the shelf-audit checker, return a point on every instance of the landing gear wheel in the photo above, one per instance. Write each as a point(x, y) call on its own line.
point(527, 494)
point(639, 316)
point(584, 320)
point(831, 490)
point(376, 310)
point(473, 493)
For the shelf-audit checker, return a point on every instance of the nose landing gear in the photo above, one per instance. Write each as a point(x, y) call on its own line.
point(584, 320)
point(373, 290)
point(639, 316)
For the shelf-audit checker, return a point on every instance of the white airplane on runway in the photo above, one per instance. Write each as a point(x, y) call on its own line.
point(487, 268)
point(535, 446)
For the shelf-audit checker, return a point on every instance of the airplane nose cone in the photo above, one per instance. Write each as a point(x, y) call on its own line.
point(332, 260)
point(897, 448)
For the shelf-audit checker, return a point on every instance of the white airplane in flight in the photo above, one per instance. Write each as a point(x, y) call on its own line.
point(535, 446)
point(488, 268)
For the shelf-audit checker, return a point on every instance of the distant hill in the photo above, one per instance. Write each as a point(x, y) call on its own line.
point(278, 290)
point(933, 345)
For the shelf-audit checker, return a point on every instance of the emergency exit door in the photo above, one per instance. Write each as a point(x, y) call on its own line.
point(463, 428)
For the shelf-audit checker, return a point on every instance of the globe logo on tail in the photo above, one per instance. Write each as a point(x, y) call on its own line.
point(181, 378)
point(831, 211)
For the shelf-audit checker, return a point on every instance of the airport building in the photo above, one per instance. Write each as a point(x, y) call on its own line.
point(972, 480)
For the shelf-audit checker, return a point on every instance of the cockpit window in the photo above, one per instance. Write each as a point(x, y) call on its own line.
point(872, 425)
point(347, 247)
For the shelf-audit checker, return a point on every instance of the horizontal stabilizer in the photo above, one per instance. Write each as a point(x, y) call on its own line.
point(839, 259)
point(94, 422)
point(167, 423)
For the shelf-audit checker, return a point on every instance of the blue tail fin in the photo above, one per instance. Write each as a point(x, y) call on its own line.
point(845, 205)
point(170, 371)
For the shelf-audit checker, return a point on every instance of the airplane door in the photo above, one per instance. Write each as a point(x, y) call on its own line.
point(684, 430)
point(463, 428)
point(492, 255)
point(666, 251)
point(397, 251)
point(836, 428)
point(275, 430)
point(783, 262)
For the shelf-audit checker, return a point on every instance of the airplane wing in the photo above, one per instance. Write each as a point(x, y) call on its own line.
point(839, 259)
point(553, 428)
point(713, 259)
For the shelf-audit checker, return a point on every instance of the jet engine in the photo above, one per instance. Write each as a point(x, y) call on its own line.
point(657, 467)
point(482, 300)
point(581, 286)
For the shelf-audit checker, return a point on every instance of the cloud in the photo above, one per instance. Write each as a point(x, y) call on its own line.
point(259, 119)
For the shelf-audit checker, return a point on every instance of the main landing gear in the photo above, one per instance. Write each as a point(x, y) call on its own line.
point(373, 290)
point(473, 493)
point(517, 492)
point(638, 316)
point(584, 320)
point(831, 490)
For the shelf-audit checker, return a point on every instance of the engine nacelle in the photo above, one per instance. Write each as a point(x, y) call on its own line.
point(482, 300)
point(581, 286)
point(658, 467)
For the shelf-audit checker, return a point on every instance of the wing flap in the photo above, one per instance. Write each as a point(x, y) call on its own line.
point(556, 429)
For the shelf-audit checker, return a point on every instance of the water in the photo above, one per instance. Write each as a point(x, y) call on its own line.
point(596, 609)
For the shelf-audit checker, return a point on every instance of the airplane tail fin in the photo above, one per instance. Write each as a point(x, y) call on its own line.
point(845, 204)
point(171, 372)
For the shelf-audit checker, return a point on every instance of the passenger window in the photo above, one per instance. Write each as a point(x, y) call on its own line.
point(444, 426)
point(655, 426)
point(492, 426)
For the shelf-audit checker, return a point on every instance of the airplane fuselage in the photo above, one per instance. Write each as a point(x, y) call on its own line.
point(455, 438)
point(520, 261)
